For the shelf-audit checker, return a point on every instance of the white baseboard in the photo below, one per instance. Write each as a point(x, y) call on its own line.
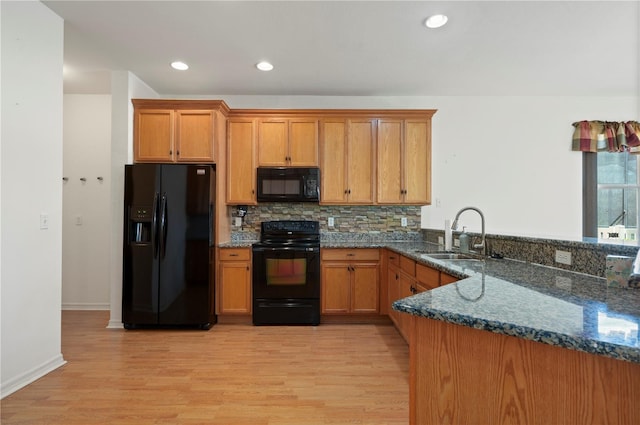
point(28, 377)
point(86, 306)
point(115, 324)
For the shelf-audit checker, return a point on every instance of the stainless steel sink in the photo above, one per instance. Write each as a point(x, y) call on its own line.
point(451, 256)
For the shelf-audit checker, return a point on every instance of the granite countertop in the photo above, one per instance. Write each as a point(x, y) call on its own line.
point(525, 300)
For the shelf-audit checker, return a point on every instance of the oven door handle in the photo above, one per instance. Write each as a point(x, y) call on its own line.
point(286, 248)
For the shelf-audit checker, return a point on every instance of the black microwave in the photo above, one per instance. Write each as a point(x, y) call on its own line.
point(288, 184)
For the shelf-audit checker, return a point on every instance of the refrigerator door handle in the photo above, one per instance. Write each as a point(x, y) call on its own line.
point(163, 226)
point(154, 226)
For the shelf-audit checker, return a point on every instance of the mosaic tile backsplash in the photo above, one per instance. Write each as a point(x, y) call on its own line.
point(586, 257)
point(383, 222)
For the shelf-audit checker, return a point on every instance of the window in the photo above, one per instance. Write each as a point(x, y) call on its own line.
point(611, 196)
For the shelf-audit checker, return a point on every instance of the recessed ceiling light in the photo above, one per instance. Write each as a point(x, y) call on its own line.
point(264, 66)
point(180, 66)
point(436, 21)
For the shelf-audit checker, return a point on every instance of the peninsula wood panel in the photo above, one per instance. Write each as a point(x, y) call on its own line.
point(461, 375)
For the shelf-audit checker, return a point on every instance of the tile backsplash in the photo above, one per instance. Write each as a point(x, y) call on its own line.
point(385, 220)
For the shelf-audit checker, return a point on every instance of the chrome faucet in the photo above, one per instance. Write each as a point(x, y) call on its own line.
point(482, 243)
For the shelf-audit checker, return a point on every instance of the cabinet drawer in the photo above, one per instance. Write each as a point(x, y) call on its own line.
point(358, 254)
point(428, 277)
point(235, 254)
point(393, 258)
point(446, 279)
point(408, 265)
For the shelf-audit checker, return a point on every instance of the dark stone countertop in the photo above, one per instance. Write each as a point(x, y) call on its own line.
point(525, 300)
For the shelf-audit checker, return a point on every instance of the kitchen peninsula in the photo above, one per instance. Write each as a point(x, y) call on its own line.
point(520, 343)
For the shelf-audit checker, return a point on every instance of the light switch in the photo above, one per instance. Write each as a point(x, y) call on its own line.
point(44, 221)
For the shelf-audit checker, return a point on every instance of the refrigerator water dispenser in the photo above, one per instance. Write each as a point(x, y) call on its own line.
point(140, 225)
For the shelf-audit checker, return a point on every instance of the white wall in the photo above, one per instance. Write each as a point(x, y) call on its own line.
point(508, 156)
point(124, 87)
point(86, 204)
point(31, 82)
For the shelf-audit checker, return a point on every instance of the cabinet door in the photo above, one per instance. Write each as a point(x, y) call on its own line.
point(417, 162)
point(389, 147)
point(365, 287)
point(272, 143)
point(360, 160)
point(194, 136)
point(406, 289)
point(393, 282)
point(234, 287)
point(153, 135)
point(303, 143)
point(241, 170)
point(335, 288)
point(333, 189)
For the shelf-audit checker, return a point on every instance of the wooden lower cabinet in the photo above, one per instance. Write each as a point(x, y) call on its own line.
point(234, 281)
point(350, 280)
point(405, 278)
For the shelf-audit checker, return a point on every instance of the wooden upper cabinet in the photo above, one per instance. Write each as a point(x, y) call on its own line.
point(288, 142)
point(241, 169)
point(176, 130)
point(417, 162)
point(347, 161)
point(194, 136)
point(404, 162)
point(390, 190)
point(153, 135)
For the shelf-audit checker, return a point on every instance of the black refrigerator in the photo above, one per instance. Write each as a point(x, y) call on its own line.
point(168, 246)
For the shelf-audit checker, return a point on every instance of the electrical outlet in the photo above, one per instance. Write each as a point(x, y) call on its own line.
point(440, 240)
point(44, 221)
point(237, 221)
point(330, 222)
point(456, 243)
point(563, 257)
point(403, 221)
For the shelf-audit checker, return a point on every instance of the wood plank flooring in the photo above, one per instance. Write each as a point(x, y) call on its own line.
point(231, 374)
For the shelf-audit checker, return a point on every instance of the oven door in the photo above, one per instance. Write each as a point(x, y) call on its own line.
point(286, 272)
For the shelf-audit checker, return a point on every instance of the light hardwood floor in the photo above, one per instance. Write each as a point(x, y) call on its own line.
point(231, 374)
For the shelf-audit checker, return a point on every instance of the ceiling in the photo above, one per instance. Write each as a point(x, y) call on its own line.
point(355, 48)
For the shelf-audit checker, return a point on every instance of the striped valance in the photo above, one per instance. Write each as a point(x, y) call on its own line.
point(606, 136)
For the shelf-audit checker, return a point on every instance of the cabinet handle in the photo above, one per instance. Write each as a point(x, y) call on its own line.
point(233, 255)
point(351, 255)
point(247, 268)
point(170, 152)
point(346, 191)
point(178, 153)
point(392, 258)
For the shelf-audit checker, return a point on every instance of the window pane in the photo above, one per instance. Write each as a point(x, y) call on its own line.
point(617, 168)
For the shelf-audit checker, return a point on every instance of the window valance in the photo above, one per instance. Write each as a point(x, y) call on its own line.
point(606, 136)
